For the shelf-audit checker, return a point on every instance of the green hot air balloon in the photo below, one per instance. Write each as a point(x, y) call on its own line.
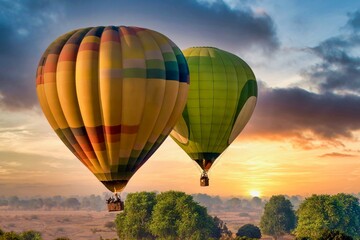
point(222, 97)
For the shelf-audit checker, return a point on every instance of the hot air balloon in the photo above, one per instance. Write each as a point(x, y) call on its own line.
point(112, 95)
point(222, 97)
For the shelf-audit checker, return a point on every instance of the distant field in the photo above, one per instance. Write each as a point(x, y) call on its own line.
point(234, 220)
point(90, 225)
point(77, 225)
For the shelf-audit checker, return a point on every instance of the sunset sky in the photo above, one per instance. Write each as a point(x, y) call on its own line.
point(303, 138)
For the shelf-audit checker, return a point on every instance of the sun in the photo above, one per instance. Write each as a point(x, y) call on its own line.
point(255, 193)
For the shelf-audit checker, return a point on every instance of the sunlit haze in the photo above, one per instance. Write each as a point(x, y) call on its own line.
point(303, 137)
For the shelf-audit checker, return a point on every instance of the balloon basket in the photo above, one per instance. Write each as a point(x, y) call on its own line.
point(116, 206)
point(204, 180)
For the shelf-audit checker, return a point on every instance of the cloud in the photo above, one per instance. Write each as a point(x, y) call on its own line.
point(354, 21)
point(23, 25)
point(54, 165)
point(338, 70)
point(236, 28)
point(325, 117)
point(304, 117)
point(337, 155)
point(3, 171)
point(28, 27)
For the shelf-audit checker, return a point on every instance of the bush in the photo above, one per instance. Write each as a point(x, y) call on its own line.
point(250, 231)
point(334, 235)
point(245, 238)
point(11, 236)
point(31, 235)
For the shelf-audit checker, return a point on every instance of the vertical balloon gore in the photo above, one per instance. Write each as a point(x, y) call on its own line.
point(112, 95)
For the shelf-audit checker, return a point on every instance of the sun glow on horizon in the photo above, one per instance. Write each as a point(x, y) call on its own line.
point(255, 193)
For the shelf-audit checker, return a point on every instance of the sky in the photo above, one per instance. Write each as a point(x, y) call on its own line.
point(303, 137)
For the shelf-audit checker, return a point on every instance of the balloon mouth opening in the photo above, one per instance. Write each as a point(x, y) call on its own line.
point(205, 164)
point(115, 185)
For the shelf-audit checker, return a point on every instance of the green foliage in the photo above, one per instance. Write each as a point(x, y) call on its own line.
point(334, 235)
point(249, 231)
point(177, 216)
point(224, 231)
point(278, 218)
point(323, 212)
point(1, 232)
point(169, 215)
point(31, 235)
point(245, 238)
point(10, 236)
point(133, 223)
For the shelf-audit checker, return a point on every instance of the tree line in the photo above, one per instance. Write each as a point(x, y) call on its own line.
point(96, 202)
point(91, 202)
point(175, 215)
point(318, 217)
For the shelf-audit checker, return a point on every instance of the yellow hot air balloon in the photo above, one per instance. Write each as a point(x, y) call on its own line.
point(222, 98)
point(112, 95)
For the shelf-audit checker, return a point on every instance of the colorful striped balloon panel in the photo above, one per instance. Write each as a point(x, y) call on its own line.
point(112, 95)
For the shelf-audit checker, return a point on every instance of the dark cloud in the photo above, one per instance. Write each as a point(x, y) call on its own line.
point(28, 27)
point(304, 117)
point(23, 25)
point(330, 114)
point(338, 70)
point(354, 21)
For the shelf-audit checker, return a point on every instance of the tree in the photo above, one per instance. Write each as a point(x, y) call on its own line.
point(134, 222)
point(245, 238)
point(177, 216)
point(256, 202)
point(72, 203)
point(207, 201)
point(324, 212)
point(31, 235)
point(224, 231)
point(233, 203)
point(334, 235)
point(278, 218)
point(249, 231)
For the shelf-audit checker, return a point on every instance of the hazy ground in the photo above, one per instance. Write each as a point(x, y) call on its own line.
point(234, 220)
point(90, 225)
point(77, 225)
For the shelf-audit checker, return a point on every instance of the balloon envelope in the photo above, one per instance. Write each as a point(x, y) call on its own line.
point(112, 95)
point(222, 97)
